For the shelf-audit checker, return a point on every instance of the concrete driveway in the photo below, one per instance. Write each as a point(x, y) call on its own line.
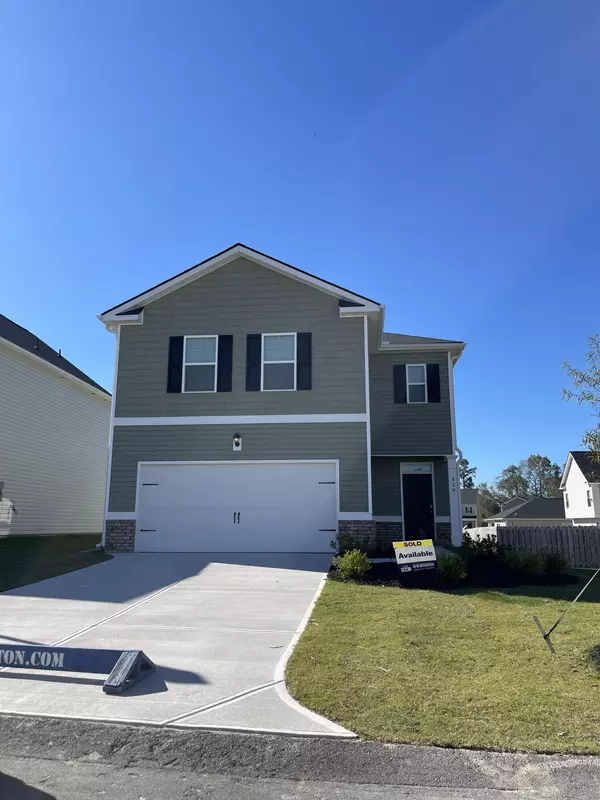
point(218, 627)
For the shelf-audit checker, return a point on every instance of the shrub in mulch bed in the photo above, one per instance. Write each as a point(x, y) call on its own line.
point(383, 573)
point(479, 563)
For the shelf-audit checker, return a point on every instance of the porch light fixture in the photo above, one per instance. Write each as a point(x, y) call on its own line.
point(237, 442)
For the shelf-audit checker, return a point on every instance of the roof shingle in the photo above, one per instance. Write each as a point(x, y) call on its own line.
point(28, 341)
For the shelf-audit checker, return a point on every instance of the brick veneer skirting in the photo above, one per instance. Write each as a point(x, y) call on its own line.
point(376, 536)
point(120, 535)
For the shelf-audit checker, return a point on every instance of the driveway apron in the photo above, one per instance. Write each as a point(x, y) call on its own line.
point(216, 625)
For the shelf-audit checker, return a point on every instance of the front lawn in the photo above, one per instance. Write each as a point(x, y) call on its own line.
point(28, 559)
point(463, 669)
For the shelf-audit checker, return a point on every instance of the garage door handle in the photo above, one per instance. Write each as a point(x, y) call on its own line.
point(238, 517)
point(236, 513)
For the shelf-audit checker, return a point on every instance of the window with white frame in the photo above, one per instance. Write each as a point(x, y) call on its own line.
point(566, 500)
point(278, 362)
point(200, 363)
point(416, 383)
point(589, 497)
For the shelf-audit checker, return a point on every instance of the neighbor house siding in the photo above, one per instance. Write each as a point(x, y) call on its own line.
point(343, 441)
point(576, 487)
point(238, 299)
point(387, 499)
point(402, 428)
point(53, 450)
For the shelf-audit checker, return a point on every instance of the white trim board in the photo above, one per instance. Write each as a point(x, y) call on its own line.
point(368, 415)
point(248, 419)
point(110, 437)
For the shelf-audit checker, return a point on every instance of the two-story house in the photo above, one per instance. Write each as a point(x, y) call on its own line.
point(581, 488)
point(259, 408)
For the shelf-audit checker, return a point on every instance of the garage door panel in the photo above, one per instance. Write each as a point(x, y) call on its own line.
point(251, 507)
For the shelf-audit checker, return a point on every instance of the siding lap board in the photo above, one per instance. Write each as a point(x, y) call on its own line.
point(411, 428)
point(344, 441)
point(53, 450)
point(241, 298)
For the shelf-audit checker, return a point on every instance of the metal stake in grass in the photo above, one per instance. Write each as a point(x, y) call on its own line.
point(546, 634)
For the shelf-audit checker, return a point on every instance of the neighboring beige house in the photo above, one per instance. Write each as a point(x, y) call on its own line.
point(581, 488)
point(54, 427)
point(471, 512)
point(533, 511)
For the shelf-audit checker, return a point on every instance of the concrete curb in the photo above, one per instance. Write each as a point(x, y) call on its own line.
point(279, 675)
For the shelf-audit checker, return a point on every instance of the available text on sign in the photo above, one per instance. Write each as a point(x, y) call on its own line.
point(415, 556)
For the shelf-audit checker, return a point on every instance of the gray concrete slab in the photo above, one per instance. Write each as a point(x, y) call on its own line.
point(216, 627)
point(266, 705)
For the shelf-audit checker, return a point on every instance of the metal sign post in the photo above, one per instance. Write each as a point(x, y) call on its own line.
point(124, 667)
point(546, 634)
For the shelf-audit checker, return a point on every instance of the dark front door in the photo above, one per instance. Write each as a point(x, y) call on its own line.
point(417, 491)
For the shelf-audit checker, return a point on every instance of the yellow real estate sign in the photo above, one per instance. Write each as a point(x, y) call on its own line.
point(418, 554)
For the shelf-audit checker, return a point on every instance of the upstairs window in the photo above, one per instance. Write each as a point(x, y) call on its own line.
point(416, 383)
point(200, 364)
point(566, 500)
point(589, 498)
point(278, 362)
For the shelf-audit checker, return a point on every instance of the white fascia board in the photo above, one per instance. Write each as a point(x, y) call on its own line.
point(359, 311)
point(225, 258)
point(39, 362)
point(113, 321)
point(445, 346)
point(566, 471)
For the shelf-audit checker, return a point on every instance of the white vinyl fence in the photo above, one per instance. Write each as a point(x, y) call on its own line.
point(579, 544)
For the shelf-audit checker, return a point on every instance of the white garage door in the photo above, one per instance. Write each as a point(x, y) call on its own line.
point(249, 507)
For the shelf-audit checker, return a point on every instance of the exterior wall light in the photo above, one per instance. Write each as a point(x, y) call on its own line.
point(237, 442)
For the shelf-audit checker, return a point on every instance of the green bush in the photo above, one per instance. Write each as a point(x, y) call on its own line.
point(352, 565)
point(345, 543)
point(451, 570)
point(526, 564)
point(555, 563)
point(483, 546)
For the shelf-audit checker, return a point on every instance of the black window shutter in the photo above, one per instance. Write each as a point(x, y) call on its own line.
point(225, 363)
point(253, 361)
point(303, 361)
point(175, 368)
point(433, 383)
point(399, 383)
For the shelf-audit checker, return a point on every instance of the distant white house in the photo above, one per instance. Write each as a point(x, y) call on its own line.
point(530, 511)
point(471, 512)
point(581, 488)
point(54, 428)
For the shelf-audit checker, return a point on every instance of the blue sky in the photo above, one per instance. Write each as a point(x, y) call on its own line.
point(441, 157)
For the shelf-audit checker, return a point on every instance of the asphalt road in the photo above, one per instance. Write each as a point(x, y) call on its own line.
point(27, 779)
point(53, 759)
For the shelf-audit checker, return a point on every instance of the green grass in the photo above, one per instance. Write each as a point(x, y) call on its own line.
point(28, 559)
point(468, 669)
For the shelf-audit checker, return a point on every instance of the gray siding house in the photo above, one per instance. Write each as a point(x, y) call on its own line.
point(259, 408)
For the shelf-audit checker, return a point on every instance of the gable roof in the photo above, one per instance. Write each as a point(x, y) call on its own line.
point(469, 497)
point(404, 338)
point(24, 339)
point(224, 257)
point(587, 464)
point(535, 508)
point(513, 502)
